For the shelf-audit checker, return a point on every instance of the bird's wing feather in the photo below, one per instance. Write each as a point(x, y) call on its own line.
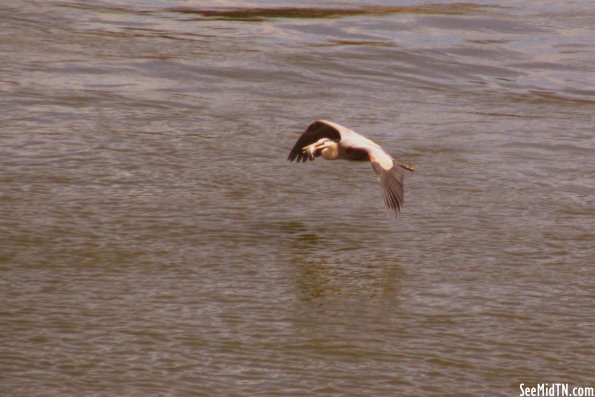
point(317, 130)
point(390, 178)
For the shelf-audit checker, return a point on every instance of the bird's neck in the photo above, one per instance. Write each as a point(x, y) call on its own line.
point(330, 152)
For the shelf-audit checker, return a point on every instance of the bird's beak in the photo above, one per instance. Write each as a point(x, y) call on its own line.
point(306, 148)
point(310, 151)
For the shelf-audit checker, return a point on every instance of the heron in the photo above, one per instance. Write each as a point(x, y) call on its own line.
point(332, 141)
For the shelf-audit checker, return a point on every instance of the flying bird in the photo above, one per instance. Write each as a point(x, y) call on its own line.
point(332, 141)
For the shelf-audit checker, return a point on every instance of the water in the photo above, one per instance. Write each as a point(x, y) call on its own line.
point(155, 241)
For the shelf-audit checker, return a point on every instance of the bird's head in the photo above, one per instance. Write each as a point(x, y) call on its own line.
point(317, 147)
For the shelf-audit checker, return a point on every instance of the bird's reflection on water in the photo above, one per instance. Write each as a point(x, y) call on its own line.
point(328, 268)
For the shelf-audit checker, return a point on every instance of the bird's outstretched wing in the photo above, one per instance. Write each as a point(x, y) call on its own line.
point(390, 178)
point(317, 130)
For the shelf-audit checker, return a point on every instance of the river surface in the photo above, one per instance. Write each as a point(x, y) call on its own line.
point(155, 241)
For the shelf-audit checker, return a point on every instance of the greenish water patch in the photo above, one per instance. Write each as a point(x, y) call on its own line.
point(261, 14)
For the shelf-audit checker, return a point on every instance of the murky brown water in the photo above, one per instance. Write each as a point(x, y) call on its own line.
point(155, 241)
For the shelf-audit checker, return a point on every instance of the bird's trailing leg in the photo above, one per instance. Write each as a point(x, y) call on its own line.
point(408, 167)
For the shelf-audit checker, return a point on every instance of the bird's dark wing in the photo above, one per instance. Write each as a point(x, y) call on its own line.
point(315, 131)
point(391, 183)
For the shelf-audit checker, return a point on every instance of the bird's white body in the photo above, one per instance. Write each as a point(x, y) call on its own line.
point(352, 138)
point(332, 141)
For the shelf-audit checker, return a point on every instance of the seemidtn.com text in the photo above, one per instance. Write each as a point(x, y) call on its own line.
point(555, 390)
